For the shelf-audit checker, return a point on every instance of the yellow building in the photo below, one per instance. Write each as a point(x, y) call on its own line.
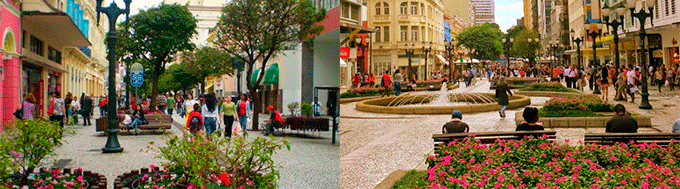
point(462, 10)
point(406, 25)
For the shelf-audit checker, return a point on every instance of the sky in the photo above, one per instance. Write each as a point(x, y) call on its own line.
point(507, 13)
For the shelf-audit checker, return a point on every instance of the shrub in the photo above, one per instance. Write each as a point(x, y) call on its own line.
point(197, 161)
point(25, 144)
point(557, 103)
point(365, 91)
point(306, 109)
point(574, 106)
point(293, 107)
point(567, 113)
point(539, 163)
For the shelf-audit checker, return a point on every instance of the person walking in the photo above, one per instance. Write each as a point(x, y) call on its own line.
point(316, 106)
point(194, 120)
point(670, 76)
point(502, 92)
point(621, 86)
point(75, 104)
point(162, 102)
point(87, 110)
point(397, 82)
point(658, 75)
point(603, 81)
point(171, 103)
point(189, 104)
point(28, 107)
point(228, 112)
point(386, 82)
point(57, 108)
point(210, 114)
point(242, 109)
point(356, 81)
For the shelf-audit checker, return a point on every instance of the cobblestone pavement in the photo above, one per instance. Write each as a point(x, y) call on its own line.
point(375, 145)
point(312, 161)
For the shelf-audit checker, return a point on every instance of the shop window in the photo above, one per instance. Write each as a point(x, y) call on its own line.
point(54, 55)
point(37, 46)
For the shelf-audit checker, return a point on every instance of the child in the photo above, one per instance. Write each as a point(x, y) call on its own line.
point(194, 120)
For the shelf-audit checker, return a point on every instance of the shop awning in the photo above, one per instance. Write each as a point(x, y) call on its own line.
point(441, 58)
point(600, 52)
point(354, 26)
point(57, 27)
point(271, 75)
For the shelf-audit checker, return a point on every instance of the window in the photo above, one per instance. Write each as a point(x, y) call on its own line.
point(37, 46)
point(387, 8)
point(386, 31)
point(355, 12)
point(345, 9)
point(404, 33)
point(404, 8)
point(377, 34)
point(414, 8)
point(667, 8)
point(673, 7)
point(377, 9)
point(422, 9)
point(414, 33)
point(54, 55)
point(656, 12)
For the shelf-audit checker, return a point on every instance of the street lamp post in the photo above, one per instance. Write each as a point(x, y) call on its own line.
point(112, 12)
point(449, 52)
point(553, 48)
point(426, 51)
point(594, 33)
point(361, 61)
point(532, 57)
point(620, 10)
point(409, 53)
point(642, 16)
point(578, 41)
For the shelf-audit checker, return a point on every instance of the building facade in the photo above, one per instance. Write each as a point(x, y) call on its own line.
point(484, 11)
point(461, 10)
point(10, 69)
point(413, 25)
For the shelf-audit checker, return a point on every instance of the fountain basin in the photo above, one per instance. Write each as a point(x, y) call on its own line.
point(382, 105)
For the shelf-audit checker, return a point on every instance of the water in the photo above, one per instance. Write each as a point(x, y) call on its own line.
point(443, 97)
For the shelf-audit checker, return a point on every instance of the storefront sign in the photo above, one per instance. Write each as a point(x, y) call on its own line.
point(344, 52)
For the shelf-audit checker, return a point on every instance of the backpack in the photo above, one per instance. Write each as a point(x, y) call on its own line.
point(195, 124)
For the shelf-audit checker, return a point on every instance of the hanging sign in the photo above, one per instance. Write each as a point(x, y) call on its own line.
point(136, 75)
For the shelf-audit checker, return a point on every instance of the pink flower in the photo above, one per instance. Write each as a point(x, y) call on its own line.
point(613, 158)
point(532, 158)
point(624, 182)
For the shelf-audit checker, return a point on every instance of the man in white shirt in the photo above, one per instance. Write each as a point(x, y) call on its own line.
point(630, 78)
point(567, 77)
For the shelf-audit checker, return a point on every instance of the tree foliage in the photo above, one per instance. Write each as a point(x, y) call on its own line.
point(484, 42)
point(512, 33)
point(521, 47)
point(252, 31)
point(207, 61)
point(154, 36)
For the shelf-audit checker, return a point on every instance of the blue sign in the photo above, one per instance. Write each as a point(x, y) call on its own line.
point(137, 80)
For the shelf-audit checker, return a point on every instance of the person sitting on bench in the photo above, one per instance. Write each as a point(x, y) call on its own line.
point(137, 117)
point(274, 121)
point(530, 115)
point(456, 125)
point(621, 122)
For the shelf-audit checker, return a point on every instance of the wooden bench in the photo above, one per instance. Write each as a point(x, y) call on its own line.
point(156, 122)
point(487, 137)
point(661, 139)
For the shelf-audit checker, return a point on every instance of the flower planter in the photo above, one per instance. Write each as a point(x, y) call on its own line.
point(78, 177)
point(134, 178)
point(307, 123)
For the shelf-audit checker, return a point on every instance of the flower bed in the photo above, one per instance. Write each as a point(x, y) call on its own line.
point(365, 91)
point(538, 163)
point(306, 123)
point(58, 178)
point(574, 106)
point(548, 86)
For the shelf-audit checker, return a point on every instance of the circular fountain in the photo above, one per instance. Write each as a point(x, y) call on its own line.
point(440, 102)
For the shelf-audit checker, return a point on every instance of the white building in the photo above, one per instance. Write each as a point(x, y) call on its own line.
point(484, 11)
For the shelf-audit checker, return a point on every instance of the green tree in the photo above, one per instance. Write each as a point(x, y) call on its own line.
point(484, 42)
point(525, 49)
point(512, 34)
point(252, 31)
point(154, 36)
point(207, 61)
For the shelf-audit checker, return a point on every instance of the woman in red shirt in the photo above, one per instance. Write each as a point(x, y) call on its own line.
point(386, 83)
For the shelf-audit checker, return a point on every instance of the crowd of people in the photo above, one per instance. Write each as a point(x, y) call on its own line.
point(65, 111)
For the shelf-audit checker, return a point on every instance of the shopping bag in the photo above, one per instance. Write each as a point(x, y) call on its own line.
point(667, 83)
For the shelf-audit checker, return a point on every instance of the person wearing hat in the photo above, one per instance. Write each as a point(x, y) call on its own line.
point(456, 125)
point(275, 120)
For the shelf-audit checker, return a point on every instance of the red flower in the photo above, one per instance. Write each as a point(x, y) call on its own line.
point(224, 178)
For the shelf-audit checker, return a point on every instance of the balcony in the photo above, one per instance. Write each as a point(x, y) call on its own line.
point(381, 18)
point(86, 51)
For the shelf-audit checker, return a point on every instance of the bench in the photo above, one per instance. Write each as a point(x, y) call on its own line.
point(156, 122)
point(661, 139)
point(487, 137)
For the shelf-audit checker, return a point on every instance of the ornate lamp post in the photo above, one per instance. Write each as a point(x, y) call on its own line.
point(449, 53)
point(112, 12)
point(594, 32)
point(426, 51)
point(553, 45)
point(577, 40)
point(642, 16)
point(509, 40)
point(409, 53)
point(361, 61)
